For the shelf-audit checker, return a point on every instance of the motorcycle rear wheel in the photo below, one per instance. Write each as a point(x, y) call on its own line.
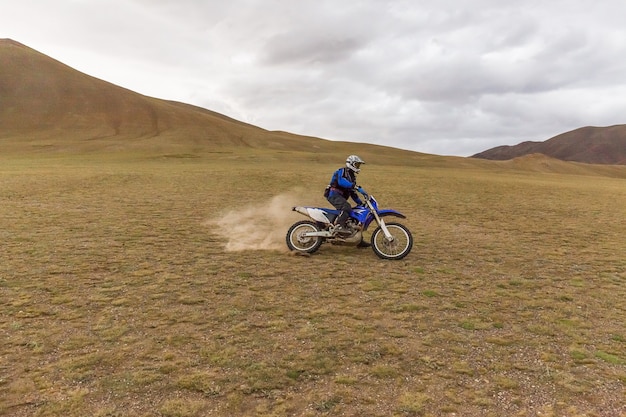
point(297, 242)
point(395, 249)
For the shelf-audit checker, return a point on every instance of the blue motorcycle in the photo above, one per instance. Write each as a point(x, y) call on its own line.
point(390, 240)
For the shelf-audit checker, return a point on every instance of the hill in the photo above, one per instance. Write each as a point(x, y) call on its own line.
point(592, 145)
point(48, 105)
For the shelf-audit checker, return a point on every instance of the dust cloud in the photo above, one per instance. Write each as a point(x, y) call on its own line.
point(260, 227)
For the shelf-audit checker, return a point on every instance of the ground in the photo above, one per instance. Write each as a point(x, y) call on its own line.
point(120, 297)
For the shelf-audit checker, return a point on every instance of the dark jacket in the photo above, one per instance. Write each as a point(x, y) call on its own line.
point(343, 182)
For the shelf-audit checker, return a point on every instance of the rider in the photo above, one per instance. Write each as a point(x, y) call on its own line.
point(343, 186)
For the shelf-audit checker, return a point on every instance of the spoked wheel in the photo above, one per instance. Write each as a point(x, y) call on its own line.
point(296, 241)
point(398, 247)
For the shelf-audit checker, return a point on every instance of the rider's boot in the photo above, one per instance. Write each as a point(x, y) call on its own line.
point(343, 230)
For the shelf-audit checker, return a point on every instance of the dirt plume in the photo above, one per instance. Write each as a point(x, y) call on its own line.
point(261, 227)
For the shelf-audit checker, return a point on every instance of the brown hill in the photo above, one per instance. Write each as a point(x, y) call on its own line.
point(543, 164)
point(591, 145)
point(47, 105)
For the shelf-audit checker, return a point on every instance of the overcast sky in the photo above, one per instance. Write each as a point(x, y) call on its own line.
point(448, 77)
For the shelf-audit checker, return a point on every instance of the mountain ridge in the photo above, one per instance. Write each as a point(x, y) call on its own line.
point(44, 99)
point(590, 144)
point(47, 107)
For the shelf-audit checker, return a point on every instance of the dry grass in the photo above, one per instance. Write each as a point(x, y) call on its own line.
point(119, 299)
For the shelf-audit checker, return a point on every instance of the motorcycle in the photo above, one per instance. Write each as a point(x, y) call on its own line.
point(390, 240)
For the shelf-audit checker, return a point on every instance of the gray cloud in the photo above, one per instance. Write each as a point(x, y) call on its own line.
point(435, 76)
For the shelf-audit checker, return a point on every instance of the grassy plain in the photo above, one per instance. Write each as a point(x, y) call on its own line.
point(119, 298)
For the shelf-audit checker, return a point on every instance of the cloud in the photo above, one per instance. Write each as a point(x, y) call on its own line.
point(284, 49)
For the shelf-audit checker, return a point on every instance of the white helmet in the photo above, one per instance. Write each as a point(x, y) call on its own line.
point(353, 162)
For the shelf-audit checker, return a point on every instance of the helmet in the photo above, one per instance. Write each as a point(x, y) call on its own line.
point(353, 162)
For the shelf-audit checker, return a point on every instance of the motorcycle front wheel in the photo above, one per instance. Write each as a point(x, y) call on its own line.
point(298, 242)
point(398, 247)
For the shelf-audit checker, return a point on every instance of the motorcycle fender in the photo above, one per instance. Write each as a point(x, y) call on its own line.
point(384, 213)
point(314, 213)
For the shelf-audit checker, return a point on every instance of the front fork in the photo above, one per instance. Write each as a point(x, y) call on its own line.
point(382, 224)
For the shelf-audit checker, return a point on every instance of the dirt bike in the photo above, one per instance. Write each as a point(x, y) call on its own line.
point(388, 241)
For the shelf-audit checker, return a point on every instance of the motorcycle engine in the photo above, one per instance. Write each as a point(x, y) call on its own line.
point(354, 239)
